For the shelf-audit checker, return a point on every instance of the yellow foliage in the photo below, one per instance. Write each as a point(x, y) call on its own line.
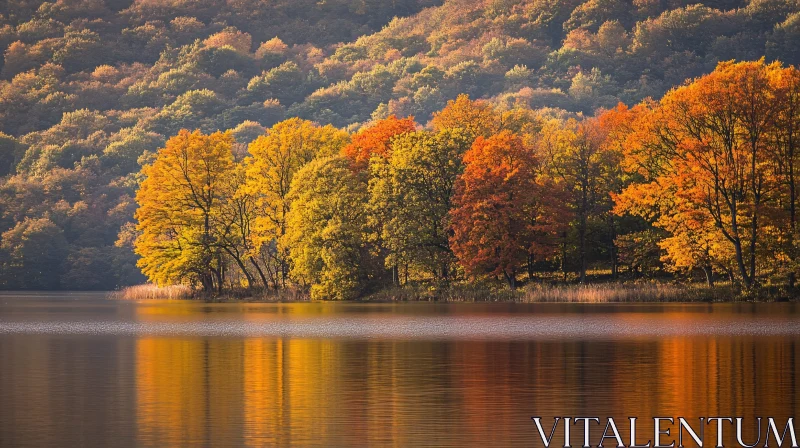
point(275, 158)
point(182, 192)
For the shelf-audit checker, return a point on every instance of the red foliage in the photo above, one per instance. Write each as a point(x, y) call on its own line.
point(376, 139)
point(502, 215)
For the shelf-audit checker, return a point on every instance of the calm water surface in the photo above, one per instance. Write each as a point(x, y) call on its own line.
point(80, 370)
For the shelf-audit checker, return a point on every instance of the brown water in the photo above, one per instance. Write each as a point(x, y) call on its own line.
point(79, 370)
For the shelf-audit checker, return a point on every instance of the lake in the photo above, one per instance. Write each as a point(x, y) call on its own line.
point(80, 370)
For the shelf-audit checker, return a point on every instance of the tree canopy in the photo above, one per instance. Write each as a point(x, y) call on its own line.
point(650, 177)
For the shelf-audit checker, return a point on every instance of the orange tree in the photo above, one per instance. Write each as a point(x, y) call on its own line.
point(376, 139)
point(719, 147)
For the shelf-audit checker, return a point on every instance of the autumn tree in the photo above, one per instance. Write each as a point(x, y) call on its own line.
point(577, 159)
point(411, 195)
point(275, 158)
point(179, 200)
point(716, 133)
point(502, 217)
point(716, 148)
point(478, 118)
point(326, 229)
point(376, 139)
point(233, 226)
point(784, 135)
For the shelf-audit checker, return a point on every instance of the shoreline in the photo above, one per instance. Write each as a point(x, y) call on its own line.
point(601, 293)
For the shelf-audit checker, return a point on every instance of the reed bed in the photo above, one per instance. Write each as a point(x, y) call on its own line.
point(184, 292)
point(615, 293)
point(543, 293)
point(534, 293)
point(150, 292)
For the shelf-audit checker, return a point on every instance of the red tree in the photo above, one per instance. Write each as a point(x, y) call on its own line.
point(502, 216)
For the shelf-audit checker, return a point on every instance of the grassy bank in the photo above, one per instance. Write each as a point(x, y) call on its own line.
point(535, 293)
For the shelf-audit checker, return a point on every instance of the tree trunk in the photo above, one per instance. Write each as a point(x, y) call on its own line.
point(564, 256)
point(613, 247)
point(731, 277)
point(529, 266)
point(582, 247)
point(511, 279)
point(260, 272)
point(207, 281)
point(740, 264)
point(709, 271)
point(242, 267)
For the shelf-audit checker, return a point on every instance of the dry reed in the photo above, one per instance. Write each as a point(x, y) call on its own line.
point(535, 293)
point(150, 291)
point(609, 293)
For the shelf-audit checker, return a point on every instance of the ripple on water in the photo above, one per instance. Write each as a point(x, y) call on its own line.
point(407, 327)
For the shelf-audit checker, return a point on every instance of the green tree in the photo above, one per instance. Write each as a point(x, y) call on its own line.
point(326, 229)
point(33, 252)
point(411, 196)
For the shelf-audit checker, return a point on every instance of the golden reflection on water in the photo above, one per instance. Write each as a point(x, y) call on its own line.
point(261, 392)
point(224, 391)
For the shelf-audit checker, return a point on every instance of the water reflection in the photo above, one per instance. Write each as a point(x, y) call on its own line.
point(83, 390)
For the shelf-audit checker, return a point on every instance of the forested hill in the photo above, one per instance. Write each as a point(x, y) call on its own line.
point(90, 88)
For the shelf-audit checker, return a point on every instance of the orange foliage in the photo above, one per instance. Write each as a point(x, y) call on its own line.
point(716, 160)
point(376, 139)
point(237, 40)
point(502, 217)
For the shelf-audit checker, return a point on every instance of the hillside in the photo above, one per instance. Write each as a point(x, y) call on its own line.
point(91, 88)
point(570, 54)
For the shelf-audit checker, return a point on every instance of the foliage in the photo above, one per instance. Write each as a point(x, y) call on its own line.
point(89, 92)
point(375, 139)
point(411, 196)
point(326, 236)
point(276, 158)
point(179, 200)
point(502, 217)
point(30, 252)
point(718, 159)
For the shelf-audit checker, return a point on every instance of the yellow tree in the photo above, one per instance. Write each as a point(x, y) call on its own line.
point(478, 118)
point(179, 199)
point(233, 226)
point(275, 158)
